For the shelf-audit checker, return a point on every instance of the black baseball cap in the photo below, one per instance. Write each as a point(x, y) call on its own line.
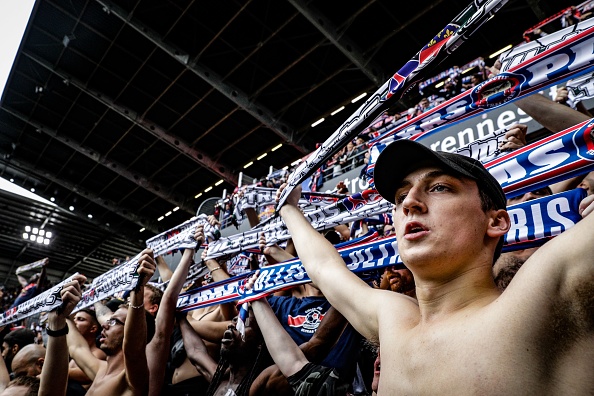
point(404, 156)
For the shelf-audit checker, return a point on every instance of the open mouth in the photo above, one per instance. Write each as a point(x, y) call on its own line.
point(414, 227)
point(227, 337)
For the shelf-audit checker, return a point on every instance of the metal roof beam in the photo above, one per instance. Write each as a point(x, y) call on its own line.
point(107, 204)
point(155, 130)
point(120, 169)
point(262, 114)
point(372, 70)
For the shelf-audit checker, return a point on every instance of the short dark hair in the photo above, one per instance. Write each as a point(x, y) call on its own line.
point(157, 294)
point(31, 382)
point(20, 337)
point(93, 316)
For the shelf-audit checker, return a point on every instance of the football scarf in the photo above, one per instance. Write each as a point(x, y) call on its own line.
point(32, 266)
point(532, 224)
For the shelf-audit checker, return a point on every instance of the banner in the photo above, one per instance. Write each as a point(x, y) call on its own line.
point(355, 207)
point(527, 68)
point(443, 44)
point(181, 236)
point(28, 267)
point(43, 302)
point(532, 224)
point(121, 278)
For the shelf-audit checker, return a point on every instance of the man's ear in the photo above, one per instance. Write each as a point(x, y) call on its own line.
point(153, 309)
point(39, 363)
point(15, 349)
point(499, 223)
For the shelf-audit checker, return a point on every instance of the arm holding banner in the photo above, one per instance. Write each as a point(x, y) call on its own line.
point(54, 375)
point(559, 278)
point(196, 351)
point(353, 298)
point(79, 350)
point(158, 349)
point(134, 345)
point(164, 270)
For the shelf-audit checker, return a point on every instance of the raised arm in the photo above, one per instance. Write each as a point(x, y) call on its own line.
point(553, 116)
point(345, 291)
point(196, 350)
point(562, 268)
point(54, 375)
point(164, 270)
point(158, 349)
point(274, 254)
point(209, 330)
point(283, 350)
point(102, 312)
point(81, 353)
point(134, 345)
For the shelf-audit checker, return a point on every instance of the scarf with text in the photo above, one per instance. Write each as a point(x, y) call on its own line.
point(28, 267)
point(529, 67)
point(532, 224)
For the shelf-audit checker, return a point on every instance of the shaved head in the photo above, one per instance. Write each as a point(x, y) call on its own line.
point(29, 360)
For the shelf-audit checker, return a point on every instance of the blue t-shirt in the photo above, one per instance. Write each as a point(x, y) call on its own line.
point(301, 317)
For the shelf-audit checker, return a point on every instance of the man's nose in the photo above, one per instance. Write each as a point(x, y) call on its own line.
point(413, 201)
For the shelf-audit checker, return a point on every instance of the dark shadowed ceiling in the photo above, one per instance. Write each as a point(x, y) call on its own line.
point(126, 110)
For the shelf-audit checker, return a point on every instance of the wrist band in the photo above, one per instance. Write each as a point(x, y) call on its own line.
point(56, 333)
point(214, 269)
point(135, 306)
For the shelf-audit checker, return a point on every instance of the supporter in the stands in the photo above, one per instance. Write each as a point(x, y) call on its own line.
point(86, 323)
point(123, 339)
point(152, 299)
point(32, 287)
point(14, 342)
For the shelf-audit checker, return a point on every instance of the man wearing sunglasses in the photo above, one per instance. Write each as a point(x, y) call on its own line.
point(123, 339)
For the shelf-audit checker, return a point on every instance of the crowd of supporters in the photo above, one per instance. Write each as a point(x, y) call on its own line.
point(294, 342)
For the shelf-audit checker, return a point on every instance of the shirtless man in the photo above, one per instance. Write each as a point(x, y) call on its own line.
point(463, 336)
point(88, 326)
point(123, 339)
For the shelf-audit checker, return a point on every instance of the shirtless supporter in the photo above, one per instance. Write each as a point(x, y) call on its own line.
point(88, 327)
point(463, 336)
point(123, 339)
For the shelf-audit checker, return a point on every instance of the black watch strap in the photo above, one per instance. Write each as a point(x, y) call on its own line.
point(56, 333)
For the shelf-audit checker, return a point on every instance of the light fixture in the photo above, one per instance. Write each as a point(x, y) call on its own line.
point(52, 199)
point(296, 162)
point(208, 189)
point(219, 182)
point(175, 209)
point(262, 156)
point(341, 108)
point(37, 235)
point(364, 94)
point(467, 70)
point(142, 229)
point(285, 168)
point(168, 213)
point(160, 218)
point(494, 54)
point(440, 84)
point(71, 208)
point(277, 147)
point(248, 164)
point(32, 189)
point(197, 195)
point(90, 216)
point(12, 180)
point(318, 122)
